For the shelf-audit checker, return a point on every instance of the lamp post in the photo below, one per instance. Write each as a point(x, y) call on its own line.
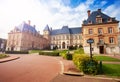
point(90, 41)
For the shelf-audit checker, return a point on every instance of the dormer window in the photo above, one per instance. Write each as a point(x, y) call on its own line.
point(98, 19)
point(90, 22)
point(110, 20)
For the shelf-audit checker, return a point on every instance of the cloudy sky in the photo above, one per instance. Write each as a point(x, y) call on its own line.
point(55, 13)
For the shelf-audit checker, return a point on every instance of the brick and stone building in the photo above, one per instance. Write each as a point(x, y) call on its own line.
point(100, 27)
point(25, 37)
point(103, 29)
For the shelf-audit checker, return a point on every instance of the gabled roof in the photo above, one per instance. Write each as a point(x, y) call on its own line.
point(66, 30)
point(46, 28)
point(94, 14)
point(24, 27)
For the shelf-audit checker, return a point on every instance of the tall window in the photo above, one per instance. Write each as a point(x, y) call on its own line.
point(90, 31)
point(100, 31)
point(67, 37)
point(110, 30)
point(101, 41)
point(111, 40)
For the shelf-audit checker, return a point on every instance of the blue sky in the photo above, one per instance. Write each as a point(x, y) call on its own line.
point(55, 13)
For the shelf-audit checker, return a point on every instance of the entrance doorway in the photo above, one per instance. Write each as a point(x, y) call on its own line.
point(101, 49)
point(63, 45)
point(12, 48)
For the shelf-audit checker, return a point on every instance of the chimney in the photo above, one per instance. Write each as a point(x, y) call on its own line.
point(29, 22)
point(88, 13)
point(99, 10)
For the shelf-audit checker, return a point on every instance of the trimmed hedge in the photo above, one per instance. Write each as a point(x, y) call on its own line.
point(85, 64)
point(16, 52)
point(69, 56)
point(49, 53)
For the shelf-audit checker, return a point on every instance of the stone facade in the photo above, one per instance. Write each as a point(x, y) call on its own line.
point(64, 37)
point(100, 27)
point(25, 37)
point(103, 30)
point(2, 44)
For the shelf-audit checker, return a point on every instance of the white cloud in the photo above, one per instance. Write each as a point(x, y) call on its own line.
point(42, 12)
point(114, 10)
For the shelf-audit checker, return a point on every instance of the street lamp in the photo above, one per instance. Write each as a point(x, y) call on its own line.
point(90, 41)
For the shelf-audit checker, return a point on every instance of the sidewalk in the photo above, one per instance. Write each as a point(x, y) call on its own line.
point(12, 57)
point(114, 56)
point(70, 67)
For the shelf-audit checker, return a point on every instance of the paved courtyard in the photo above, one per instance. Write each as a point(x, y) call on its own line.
point(37, 68)
point(30, 68)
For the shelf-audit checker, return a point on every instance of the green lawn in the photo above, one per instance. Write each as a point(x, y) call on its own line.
point(3, 56)
point(111, 69)
point(106, 58)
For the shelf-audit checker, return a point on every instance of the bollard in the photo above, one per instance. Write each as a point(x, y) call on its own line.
point(100, 68)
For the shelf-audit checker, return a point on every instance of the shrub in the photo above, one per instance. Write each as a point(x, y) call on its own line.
point(3, 56)
point(85, 64)
point(16, 52)
point(79, 51)
point(72, 47)
point(49, 53)
point(68, 56)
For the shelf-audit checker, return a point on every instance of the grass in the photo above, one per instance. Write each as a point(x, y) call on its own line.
point(107, 58)
point(3, 56)
point(111, 69)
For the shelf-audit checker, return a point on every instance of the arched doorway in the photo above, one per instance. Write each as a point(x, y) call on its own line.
point(63, 45)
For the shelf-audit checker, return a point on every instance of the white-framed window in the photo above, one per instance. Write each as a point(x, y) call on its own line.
point(111, 40)
point(90, 31)
point(101, 40)
point(100, 31)
point(110, 30)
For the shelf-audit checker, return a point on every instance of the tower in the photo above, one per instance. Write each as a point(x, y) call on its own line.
point(46, 32)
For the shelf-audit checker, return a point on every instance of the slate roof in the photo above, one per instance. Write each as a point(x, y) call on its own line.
point(66, 30)
point(94, 14)
point(76, 30)
point(24, 27)
point(46, 28)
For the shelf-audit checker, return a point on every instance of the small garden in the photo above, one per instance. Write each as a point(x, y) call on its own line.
point(85, 64)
